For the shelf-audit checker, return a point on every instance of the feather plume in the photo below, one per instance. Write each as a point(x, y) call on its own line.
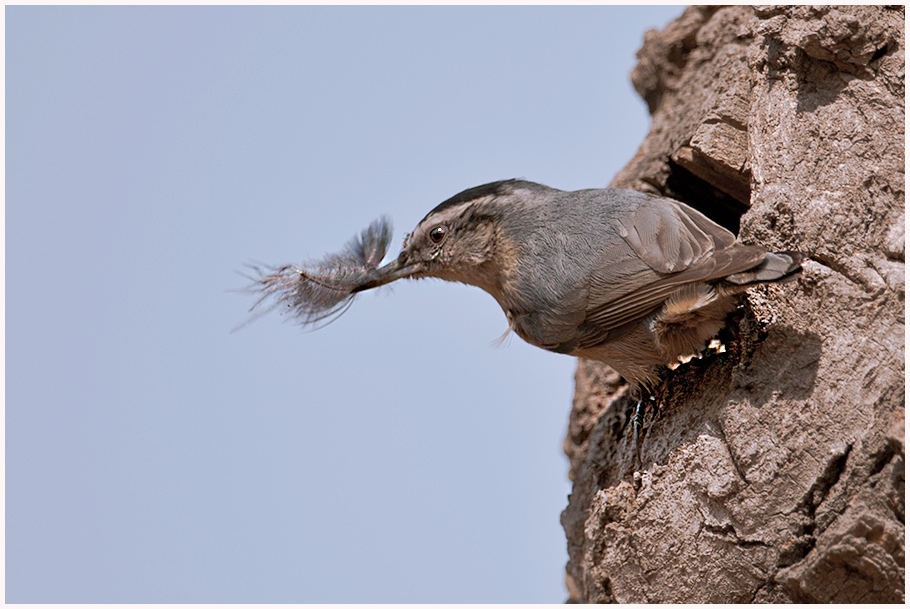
point(323, 290)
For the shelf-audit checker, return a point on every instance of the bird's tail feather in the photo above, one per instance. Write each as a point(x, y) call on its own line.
point(777, 267)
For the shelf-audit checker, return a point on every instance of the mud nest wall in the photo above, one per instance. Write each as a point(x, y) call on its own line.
point(774, 470)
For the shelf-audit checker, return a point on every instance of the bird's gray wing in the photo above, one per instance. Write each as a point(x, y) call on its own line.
point(663, 247)
point(669, 236)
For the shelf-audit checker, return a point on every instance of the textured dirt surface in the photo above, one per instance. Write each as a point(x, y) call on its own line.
point(773, 470)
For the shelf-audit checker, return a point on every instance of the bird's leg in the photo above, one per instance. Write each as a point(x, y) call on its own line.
point(644, 398)
point(638, 418)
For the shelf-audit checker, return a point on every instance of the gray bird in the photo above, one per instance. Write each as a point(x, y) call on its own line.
point(619, 276)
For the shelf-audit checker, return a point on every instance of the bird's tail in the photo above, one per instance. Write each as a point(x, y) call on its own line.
point(776, 267)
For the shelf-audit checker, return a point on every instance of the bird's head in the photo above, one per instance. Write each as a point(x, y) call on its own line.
point(461, 239)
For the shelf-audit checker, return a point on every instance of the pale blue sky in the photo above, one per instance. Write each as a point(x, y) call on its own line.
point(393, 456)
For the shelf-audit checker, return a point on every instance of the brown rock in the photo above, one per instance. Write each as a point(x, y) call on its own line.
point(773, 471)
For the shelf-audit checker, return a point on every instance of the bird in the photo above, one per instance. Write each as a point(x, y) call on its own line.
point(628, 278)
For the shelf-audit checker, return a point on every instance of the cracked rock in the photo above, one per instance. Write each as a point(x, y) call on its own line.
point(773, 471)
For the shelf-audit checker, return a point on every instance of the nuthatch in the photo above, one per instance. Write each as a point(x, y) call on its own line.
point(619, 276)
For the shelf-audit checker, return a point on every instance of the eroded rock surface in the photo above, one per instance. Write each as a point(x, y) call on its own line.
point(774, 470)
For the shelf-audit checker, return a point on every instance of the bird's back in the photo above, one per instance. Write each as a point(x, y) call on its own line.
point(624, 277)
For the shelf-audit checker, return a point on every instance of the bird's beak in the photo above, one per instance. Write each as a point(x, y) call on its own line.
point(396, 269)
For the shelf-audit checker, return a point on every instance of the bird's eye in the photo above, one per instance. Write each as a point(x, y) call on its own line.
point(438, 234)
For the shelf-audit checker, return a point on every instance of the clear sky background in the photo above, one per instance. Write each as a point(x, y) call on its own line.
point(393, 456)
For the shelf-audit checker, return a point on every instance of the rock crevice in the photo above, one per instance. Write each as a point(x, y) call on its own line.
point(773, 472)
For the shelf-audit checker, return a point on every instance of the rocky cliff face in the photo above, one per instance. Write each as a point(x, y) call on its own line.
point(774, 469)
